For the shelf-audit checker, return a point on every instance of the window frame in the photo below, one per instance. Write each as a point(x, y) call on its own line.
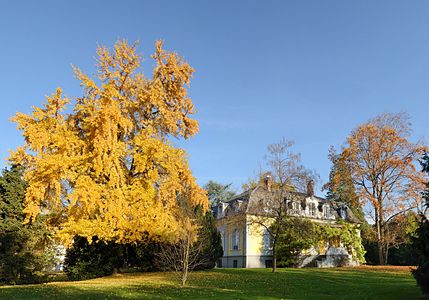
point(235, 239)
point(326, 211)
point(296, 208)
point(312, 209)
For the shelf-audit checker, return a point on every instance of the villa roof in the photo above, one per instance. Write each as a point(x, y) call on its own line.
point(252, 196)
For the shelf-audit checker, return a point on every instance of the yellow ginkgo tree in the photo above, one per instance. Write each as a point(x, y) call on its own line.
point(102, 164)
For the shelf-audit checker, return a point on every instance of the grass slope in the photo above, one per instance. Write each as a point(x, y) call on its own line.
point(342, 283)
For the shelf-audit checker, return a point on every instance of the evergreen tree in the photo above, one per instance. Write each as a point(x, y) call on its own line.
point(217, 192)
point(22, 247)
point(211, 240)
point(421, 241)
point(340, 186)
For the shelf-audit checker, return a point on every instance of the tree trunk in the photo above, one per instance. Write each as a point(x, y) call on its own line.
point(185, 265)
point(184, 276)
point(274, 258)
point(380, 253)
point(386, 253)
point(379, 237)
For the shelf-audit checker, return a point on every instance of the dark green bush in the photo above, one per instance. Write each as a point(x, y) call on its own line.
point(421, 245)
point(86, 260)
point(297, 235)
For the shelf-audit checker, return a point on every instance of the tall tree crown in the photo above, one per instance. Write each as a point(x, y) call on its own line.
point(382, 162)
point(101, 164)
point(383, 166)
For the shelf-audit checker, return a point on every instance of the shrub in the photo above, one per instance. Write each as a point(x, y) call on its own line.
point(421, 245)
point(86, 260)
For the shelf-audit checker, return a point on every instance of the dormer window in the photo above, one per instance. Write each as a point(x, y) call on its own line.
point(237, 206)
point(220, 209)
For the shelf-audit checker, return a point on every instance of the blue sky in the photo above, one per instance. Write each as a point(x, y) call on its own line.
point(310, 71)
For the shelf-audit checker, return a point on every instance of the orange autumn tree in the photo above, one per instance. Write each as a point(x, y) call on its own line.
point(382, 162)
point(101, 164)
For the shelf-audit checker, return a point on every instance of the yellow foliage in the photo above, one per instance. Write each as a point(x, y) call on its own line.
point(103, 165)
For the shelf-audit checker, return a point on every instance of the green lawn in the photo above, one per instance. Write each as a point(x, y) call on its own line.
point(341, 283)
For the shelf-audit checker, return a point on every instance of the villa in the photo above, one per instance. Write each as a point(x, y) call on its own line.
point(248, 245)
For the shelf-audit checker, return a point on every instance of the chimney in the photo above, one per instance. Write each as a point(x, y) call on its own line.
point(267, 181)
point(310, 188)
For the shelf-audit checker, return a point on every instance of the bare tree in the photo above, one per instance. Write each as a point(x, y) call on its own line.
point(194, 247)
point(285, 175)
point(286, 167)
point(184, 255)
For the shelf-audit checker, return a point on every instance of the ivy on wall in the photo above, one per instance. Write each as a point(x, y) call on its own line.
point(300, 235)
point(349, 236)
